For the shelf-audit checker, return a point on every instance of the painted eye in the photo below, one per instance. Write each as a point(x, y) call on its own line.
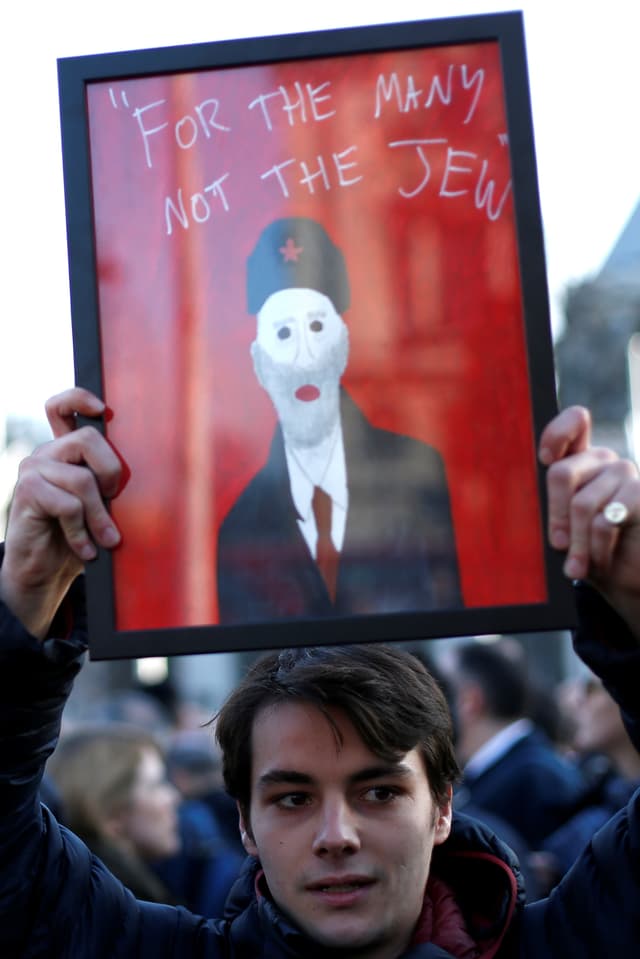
point(284, 333)
point(316, 325)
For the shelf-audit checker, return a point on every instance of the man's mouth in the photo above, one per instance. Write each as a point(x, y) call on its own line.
point(307, 393)
point(349, 884)
point(342, 887)
point(338, 893)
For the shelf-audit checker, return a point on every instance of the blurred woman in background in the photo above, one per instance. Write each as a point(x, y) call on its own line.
point(115, 793)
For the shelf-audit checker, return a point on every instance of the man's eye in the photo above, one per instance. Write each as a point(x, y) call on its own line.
point(293, 800)
point(316, 325)
point(381, 794)
point(284, 333)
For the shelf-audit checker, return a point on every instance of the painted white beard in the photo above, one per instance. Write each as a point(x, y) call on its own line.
point(305, 424)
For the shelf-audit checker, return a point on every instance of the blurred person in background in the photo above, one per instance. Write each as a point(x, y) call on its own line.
point(112, 783)
point(115, 793)
point(600, 733)
point(194, 766)
point(611, 768)
point(496, 823)
point(210, 854)
point(510, 767)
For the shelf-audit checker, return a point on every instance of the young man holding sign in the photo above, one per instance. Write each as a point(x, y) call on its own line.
point(340, 759)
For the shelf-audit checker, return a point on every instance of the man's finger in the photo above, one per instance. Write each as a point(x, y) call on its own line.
point(579, 489)
point(66, 492)
point(63, 409)
point(79, 508)
point(585, 510)
point(86, 447)
point(564, 479)
point(569, 432)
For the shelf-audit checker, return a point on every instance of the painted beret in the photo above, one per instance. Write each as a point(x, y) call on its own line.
point(296, 252)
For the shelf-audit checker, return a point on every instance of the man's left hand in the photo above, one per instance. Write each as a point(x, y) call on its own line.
point(582, 480)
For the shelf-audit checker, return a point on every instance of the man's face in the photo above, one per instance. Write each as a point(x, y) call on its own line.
point(344, 838)
point(299, 354)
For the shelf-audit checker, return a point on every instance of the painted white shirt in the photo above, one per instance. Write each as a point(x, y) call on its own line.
point(324, 466)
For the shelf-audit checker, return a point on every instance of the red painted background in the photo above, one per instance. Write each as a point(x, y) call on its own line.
point(436, 328)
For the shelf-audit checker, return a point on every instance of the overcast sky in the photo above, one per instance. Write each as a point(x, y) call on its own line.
point(584, 87)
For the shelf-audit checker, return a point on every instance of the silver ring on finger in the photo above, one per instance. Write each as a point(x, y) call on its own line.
point(615, 513)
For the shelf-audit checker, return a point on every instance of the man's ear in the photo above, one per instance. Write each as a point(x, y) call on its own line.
point(443, 820)
point(245, 833)
point(257, 366)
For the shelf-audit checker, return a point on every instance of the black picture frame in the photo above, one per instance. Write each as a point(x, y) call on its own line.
point(87, 211)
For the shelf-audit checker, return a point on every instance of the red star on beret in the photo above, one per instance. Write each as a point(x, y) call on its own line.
point(290, 252)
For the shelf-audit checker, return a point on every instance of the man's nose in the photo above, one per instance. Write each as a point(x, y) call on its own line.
point(337, 831)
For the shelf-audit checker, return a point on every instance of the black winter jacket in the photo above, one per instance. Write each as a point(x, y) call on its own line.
point(57, 900)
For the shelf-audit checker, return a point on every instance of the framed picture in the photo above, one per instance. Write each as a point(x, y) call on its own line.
point(308, 279)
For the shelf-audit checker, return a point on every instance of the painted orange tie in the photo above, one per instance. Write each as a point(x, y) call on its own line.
point(327, 556)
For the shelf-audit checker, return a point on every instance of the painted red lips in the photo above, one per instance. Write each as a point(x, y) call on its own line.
point(307, 393)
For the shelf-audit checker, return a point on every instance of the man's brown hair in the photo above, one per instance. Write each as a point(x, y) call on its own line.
point(392, 700)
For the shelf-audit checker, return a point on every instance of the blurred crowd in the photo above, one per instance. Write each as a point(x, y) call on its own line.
point(141, 783)
point(544, 767)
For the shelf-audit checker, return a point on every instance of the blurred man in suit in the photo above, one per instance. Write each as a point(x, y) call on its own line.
point(510, 767)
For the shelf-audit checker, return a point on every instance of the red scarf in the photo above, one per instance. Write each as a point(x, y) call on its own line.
point(442, 923)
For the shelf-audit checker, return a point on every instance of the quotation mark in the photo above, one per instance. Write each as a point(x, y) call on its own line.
point(114, 99)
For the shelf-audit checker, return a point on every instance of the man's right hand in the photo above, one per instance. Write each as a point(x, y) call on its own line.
point(58, 514)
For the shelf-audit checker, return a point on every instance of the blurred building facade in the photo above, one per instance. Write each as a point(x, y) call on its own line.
point(596, 356)
point(18, 437)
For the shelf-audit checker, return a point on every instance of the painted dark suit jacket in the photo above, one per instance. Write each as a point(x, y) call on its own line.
point(399, 549)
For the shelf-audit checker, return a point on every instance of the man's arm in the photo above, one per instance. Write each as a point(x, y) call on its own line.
point(35, 680)
point(57, 516)
point(594, 911)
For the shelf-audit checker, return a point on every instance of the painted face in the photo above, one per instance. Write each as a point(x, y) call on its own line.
point(299, 354)
point(150, 822)
point(344, 838)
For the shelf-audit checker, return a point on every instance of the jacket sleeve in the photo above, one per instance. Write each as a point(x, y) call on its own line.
point(608, 647)
point(57, 900)
point(35, 681)
point(595, 909)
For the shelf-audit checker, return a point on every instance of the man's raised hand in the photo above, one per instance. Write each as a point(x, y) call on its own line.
point(582, 481)
point(58, 514)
